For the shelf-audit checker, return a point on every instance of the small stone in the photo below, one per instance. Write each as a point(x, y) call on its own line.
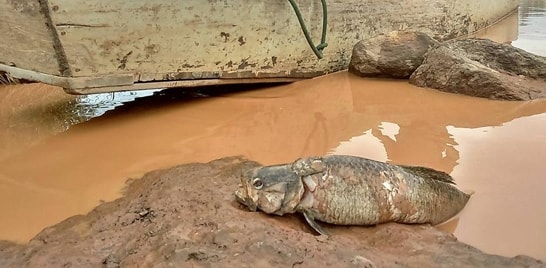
point(322, 238)
point(361, 261)
point(144, 213)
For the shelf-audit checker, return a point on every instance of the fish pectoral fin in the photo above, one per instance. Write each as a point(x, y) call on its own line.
point(311, 221)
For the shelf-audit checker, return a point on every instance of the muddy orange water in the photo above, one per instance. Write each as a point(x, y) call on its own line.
point(62, 155)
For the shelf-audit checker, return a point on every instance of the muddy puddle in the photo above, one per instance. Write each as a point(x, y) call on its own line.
point(62, 155)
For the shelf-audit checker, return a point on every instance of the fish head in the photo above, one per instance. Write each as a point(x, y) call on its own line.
point(272, 189)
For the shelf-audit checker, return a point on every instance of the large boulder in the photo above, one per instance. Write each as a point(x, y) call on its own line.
point(483, 68)
point(394, 55)
point(187, 216)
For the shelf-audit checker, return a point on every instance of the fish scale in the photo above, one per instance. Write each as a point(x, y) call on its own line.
point(350, 190)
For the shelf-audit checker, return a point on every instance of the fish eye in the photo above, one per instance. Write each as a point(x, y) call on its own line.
point(258, 183)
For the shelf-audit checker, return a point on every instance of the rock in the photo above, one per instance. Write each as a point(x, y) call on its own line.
point(483, 68)
point(191, 219)
point(362, 262)
point(394, 55)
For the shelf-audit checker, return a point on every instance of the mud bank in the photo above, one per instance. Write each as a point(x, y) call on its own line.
point(186, 215)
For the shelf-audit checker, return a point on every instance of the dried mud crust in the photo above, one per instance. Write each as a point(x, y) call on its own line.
point(186, 216)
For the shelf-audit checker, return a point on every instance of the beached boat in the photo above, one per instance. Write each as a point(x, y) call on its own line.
point(96, 46)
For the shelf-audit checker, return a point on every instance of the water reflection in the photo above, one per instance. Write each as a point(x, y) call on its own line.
point(90, 106)
point(383, 120)
point(532, 26)
point(505, 165)
point(30, 113)
point(531, 8)
point(505, 31)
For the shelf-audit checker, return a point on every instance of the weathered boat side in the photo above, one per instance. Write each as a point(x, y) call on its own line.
point(112, 45)
point(26, 41)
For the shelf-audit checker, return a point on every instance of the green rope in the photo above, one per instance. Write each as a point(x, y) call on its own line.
point(317, 49)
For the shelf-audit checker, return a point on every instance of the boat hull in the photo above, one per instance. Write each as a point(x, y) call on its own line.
point(113, 45)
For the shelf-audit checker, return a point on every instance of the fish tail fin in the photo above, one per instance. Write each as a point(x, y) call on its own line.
point(428, 173)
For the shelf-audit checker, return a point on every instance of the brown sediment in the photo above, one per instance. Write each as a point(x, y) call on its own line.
point(30, 113)
point(71, 172)
point(162, 222)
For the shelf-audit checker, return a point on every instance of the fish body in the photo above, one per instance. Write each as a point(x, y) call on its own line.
point(349, 190)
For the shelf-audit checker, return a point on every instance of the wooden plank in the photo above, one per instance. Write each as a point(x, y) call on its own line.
point(179, 83)
point(155, 40)
point(124, 82)
point(70, 82)
point(26, 42)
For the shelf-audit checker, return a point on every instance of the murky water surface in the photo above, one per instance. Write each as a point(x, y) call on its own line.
point(532, 26)
point(62, 155)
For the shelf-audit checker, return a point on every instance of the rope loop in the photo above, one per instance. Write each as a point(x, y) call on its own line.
point(320, 47)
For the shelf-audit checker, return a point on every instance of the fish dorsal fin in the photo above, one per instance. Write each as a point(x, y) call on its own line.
point(428, 173)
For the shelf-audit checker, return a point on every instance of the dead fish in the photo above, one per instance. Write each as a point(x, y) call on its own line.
point(350, 190)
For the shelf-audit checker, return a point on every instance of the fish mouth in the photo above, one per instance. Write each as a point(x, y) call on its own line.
point(241, 195)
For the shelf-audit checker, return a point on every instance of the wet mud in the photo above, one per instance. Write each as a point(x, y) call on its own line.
point(162, 222)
